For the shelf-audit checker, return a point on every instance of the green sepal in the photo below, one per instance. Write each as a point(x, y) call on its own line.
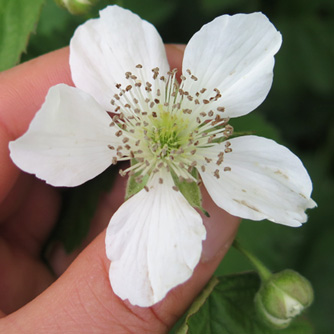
point(133, 187)
point(191, 191)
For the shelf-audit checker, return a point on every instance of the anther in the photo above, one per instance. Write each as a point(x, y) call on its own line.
point(139, 179)
point(121, 172)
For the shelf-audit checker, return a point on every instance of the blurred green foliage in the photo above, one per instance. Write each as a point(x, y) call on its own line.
point(300, 105)
point(17, 21)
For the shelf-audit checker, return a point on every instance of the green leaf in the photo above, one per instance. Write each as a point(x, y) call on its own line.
point(226, 306)
point(18, 19)
point(79, 206)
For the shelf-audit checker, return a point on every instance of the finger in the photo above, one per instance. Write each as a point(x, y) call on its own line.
point(23, 274)
point(83, 301)
point(23, 90)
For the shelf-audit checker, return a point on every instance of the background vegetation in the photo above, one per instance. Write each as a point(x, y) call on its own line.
point(298, 113)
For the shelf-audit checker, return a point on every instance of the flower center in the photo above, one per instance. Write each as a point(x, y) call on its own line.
point(168, 131)
point(159, 132)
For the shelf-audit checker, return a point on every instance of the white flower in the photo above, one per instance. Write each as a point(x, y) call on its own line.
point(170, 131)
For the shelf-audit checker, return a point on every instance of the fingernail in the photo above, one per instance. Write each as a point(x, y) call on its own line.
point(179, 47)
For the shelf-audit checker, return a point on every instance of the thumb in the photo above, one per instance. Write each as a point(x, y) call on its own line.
point(82, 301)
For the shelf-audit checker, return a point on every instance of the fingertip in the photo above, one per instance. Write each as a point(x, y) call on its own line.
point(175, 55)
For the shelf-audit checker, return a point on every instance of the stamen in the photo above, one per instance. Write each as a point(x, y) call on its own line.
point(159, 134)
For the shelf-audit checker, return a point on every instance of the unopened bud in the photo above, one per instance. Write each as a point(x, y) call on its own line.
point(77, 7)
point(283, 297)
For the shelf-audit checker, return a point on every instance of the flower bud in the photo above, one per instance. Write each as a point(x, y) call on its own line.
point(282, 297)
point(77, 7)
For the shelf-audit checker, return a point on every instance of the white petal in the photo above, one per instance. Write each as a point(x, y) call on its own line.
point(154, 241)
point(67, 141)
point(234, 54)
point(266, 181)
point(102, 50)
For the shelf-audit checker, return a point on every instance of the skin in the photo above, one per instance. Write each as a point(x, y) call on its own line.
point(75, 297)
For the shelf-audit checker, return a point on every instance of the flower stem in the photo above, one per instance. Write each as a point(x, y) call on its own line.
point(263, 271)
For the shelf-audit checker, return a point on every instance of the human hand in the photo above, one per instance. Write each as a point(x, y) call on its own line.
point(78, 297)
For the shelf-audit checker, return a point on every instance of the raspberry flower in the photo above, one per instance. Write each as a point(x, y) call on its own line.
point(175, 134)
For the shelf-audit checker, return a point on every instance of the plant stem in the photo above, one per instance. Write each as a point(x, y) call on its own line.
point(263, 271)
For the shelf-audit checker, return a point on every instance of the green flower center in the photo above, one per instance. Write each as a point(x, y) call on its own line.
point(168, 131)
